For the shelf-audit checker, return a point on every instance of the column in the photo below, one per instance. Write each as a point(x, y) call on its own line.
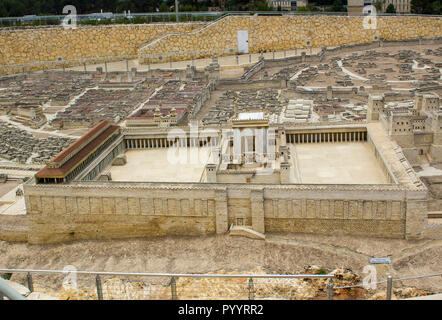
point(257, 207)
point(221, 211)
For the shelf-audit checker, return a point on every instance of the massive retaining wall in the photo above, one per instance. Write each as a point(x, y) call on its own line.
point(288, 32)
point(18, 46)
point(100, 210)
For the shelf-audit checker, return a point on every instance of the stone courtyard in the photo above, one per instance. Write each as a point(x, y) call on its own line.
point(351, 163)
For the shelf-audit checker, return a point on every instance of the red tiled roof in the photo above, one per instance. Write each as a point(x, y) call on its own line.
point(77, 143)
point(71, 163)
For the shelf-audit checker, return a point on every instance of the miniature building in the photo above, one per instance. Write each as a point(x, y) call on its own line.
point(375, 105)
point(67, 164)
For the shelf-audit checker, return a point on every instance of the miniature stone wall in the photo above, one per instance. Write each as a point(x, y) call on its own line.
point(268, 33)
point(50, 44)
point(123, 210)
point(14, 227)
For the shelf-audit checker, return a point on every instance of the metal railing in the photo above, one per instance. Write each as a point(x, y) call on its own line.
point(247, 285)
point(158, 17)
point(10, 293)
point(388, 281)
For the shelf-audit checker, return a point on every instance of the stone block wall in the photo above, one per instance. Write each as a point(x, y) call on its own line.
point(100, 212)
point(50, 44)
point(267, 33)
point(14, 227)
point(124, 210)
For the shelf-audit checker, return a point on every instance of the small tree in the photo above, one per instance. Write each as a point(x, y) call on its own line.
point(379, 5)
point(164, 7)
point(390, 9)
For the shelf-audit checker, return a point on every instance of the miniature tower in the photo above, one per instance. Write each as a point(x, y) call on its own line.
point(436, 146)
point(284, 172)
point(401, 129)
point(375, 105)
point(173, 116)
point(430, 103)
point(157, 115)
point(211, 173)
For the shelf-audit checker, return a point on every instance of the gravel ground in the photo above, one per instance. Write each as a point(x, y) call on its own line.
point(280, 253)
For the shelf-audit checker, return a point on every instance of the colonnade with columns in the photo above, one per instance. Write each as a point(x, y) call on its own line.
point(153, 143)
point(319, 137)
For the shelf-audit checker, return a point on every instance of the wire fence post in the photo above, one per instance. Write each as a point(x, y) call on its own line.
point(330, 290)
point(99, 289)
point(389, 287)
point(250, 58)
point(170, 62)
point(127, 65)
point(30, 283)
point(173, 288)
point(251, 290)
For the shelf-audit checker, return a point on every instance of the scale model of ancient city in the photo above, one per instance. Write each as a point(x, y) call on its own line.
point(249, 126)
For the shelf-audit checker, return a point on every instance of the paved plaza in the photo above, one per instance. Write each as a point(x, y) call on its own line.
point(343, 163)
point(162, 165)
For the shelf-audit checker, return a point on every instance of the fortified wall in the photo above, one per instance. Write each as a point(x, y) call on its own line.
point(265, 33)
point(18, 46)
point(97, 210)
point(268, 33)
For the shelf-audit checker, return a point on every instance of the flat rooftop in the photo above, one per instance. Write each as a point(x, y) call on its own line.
point(162, 165)
point(336, 163)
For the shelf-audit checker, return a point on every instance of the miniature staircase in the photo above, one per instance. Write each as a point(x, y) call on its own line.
point(159, 37)
point(246, 231)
